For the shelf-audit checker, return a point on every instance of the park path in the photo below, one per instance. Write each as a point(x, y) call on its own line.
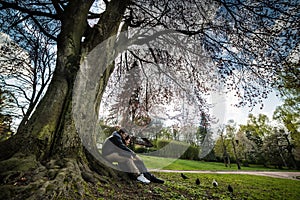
point(275, 174)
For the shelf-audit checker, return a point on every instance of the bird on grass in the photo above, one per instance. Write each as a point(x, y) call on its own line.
point(184, 176)
point(215, 183)
point(230, 189)
point(197, 181)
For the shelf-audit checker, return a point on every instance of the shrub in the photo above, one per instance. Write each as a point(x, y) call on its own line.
point(174, 149)
point(192, 153)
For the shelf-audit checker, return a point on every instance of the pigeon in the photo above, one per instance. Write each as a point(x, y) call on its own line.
point(197, 181)
point(184, 176)
point(215, 183)
point(230, 189)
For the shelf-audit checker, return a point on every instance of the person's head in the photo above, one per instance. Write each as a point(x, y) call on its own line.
point(123, 133)
point(127, 140)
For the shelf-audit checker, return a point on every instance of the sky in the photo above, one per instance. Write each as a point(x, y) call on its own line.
point(225, 110)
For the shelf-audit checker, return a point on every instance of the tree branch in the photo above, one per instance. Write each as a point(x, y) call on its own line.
point(57, 7)
point(42, 29)
point(15, 6)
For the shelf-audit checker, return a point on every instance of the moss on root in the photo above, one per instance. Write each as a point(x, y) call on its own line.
point(22, 177)
point(67, 179)
point(19, 162)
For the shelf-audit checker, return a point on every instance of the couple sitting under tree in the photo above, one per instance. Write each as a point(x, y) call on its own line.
point(115, 149)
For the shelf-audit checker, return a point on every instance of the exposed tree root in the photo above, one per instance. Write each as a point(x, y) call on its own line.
point(23, 177)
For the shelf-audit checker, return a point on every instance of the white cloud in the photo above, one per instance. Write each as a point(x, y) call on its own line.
point(225, 110)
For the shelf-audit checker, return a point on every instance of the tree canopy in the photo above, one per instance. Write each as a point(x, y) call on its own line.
point(247, 41)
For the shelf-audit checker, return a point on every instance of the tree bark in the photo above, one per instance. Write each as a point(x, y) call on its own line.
point(47, 158)
point(235, 154)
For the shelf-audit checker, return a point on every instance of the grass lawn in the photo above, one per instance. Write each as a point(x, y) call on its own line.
point(178, 164)
point(244, 187)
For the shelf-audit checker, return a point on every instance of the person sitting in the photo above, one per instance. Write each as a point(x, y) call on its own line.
point(114, 149)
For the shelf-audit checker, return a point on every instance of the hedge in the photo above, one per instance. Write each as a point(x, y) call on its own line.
point(176, 149)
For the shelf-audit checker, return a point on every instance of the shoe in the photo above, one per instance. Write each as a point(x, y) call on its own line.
point(142, 178)
point(152, 178)
point(156, 180)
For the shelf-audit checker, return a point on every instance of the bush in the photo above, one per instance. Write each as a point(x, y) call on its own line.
point(162, 143)
point(174, 149)
point(192, 153)
point(211, 157)
point(141, 149)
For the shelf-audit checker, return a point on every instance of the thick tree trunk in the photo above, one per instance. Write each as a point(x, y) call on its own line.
point(47, 158)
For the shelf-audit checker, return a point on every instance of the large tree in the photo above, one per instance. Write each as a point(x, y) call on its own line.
point(245, 41)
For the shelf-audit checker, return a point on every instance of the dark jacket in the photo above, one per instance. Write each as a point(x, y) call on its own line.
point(115, 144)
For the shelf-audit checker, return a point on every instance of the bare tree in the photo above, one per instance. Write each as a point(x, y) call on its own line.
point(26, 72)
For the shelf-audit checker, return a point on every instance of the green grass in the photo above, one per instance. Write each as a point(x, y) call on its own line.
point(179, 164)
point(245, 187)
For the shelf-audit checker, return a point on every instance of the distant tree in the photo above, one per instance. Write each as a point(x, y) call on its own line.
point(203, 128)
point(175, 132)
point(288, 114)
point(246, 148)
point(275, 149)
point(222, 145)
point(290, 148)
point(256, 129)
point(26, 70)
point(165, 133)
point(231, 134)
point(288, 78)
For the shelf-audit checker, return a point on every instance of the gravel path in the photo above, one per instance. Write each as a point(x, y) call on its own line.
point(277, 174)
